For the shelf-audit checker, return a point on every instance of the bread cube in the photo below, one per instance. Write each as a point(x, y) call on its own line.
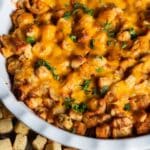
point(20, 142)
point(21, 128)
point(5, 144)
point(6, 126)
point(53, 146)
point(39, 143)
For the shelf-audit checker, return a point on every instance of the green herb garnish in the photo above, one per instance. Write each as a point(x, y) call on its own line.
point(87, 10)
point(95, 91)
point(67, 15)
point(104, 90)
point(68, 102)
point(85, 85)
point(100, 69)
point(92, 43)
point(81, 108)
point(111, 33)
point(77, 6)
point(107, 27)
point(42, 62)
point(133, 33)
point(109, 42)
point(124, 45)
point(73, 38)
point(30, 40)
point(127, 107)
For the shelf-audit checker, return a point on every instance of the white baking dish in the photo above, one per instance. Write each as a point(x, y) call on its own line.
point(23, 113)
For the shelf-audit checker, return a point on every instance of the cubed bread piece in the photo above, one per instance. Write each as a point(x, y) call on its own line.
point(53, 146)
point(5, 144)
point(21, 128)
point(20, 142)
point(39, 143)
point(6, 126)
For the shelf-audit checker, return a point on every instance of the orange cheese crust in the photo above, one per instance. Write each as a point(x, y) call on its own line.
point(83, 66)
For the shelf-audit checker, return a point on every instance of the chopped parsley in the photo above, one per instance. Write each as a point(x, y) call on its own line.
point(86, 10)
point(42, 62)
point(95, 91)
point(111, 33)
point(124, 45)
point(77, 6)
point(92, 43)
point(107, 27)
point(68, 102)
point(109, 42)
point(67, 15)
point(30, 40)
point(73, 38)
point(133, 33)
point(104, 90)
point(85, 85)
point(127, 107)
point(100, 69)
point(89, 11)
point(81, 108)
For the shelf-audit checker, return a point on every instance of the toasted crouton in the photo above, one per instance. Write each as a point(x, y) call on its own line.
point(20, 142)
point(21, 128)
point(39, 142)
point(6, 126)
point(53, 146)
point(5, 144)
